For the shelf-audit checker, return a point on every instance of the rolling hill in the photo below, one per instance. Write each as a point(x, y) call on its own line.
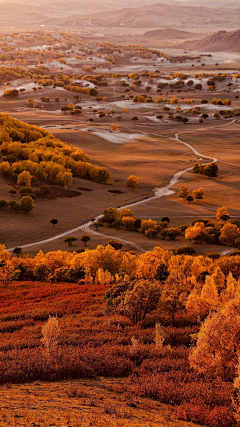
point(161, 15)
point(168, 33)
point(220, 41)
point(143, 14)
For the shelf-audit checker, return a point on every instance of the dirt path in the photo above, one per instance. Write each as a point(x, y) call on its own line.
point(158, 193)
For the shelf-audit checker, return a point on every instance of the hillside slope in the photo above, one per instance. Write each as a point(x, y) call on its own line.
point(220, 41)
point(169, 33)
point(162, 15)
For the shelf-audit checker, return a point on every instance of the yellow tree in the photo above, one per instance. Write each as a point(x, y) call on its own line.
point(232, 289)
point(125, 212)
point(26, 204)
point(195, 231)
point(141, 300)
point(147, 264)
point(24, 178)
point(218, 343)
point(147, 224)
point(219, 279)
point(174, 100)
point(183, 192)
point(132, 182)
point(4, 167)
point(198, 194)
point(222, 213)
point(51, 334)
point(6, 273)
point(159, 336)
point(128, 222)
point(209, 295)
point(236, 399)
point(194, 304)
point(229, 233)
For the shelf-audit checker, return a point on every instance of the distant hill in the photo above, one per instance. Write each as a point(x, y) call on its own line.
point(168, 33)
point(220, 41)
point(105, 13)
point(21, 13)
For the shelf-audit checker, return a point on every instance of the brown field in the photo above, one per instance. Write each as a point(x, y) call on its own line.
point(90, 402)
point(154, 159)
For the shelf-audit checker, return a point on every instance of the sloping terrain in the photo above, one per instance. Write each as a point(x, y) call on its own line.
point(13, 12)
point(220, 41)
point(139, 15)
point(160, 14)
point(169, 33)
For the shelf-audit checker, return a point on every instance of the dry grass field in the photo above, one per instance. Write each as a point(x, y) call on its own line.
point(80, 403)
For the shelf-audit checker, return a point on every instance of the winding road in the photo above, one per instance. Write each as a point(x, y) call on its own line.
point(158, 193)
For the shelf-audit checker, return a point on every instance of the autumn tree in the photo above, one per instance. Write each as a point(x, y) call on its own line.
point(148, 224)
point(183, 192)
point(174, 100)
point(24, 178)
point(141, 300)
point(175, 292)
point(159, 336)
point(195, 231)
point(222, 213)
point(51, 335)
point(125, 212)
point(26, 204)
point(110, 215)
point(199, 194)
point(132, 182)
point(6, 271)
point(4, 167)
point(229, 234)
point(236, 398)
point(218, 343)
point(151, 233)
point(128, 222)
point(64, 178)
